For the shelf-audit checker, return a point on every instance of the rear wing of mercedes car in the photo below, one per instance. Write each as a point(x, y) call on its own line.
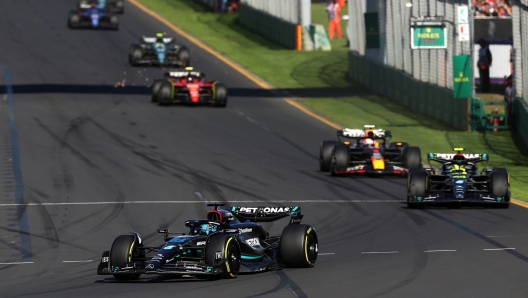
point(267, 214)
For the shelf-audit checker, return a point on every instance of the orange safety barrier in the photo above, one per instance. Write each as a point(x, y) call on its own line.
point(299, 38)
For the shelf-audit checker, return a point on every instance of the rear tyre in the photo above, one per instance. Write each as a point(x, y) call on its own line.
point(121, 252)
point(298, 246)
point(120, 6)
point(412, 158)
point(499, 184)
point(184, 56)
point(114, 22)
point(155, 90)
point(402, 146)
point(220, 98)
point(325, 155)
point(165, 94)
point(134, 55)
point(417, 188)
point(340, 159)
point(223, 252)
point(82, 3)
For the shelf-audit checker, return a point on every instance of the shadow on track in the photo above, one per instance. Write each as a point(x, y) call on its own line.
point(144, 90)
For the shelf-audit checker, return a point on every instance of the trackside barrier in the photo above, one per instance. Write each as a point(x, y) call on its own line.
point(495, 120)
point(271, 27)
point(211, 4)
point(420, 97)
point(520, 119)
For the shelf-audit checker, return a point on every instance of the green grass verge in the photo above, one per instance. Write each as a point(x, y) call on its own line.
point(290, 69)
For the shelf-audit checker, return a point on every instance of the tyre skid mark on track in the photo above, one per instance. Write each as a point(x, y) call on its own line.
point(279, 136)
point(23, 224)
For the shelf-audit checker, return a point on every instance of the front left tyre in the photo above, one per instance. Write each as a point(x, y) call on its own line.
point(499, 184)
point(223, 252)
point(298, 246)
point(73, 20)
point(122, 252)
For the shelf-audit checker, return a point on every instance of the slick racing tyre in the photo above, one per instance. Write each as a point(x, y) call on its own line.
point(412, 158)
point(122, 252)
point(155, 90)
point(298, 246)
point(499, 183)
point(223, 252)
point(134, 54)
point(340, 159)
point(325, 155)
point(220, 97)
point(416, 188)
point(399, 145)
point(120, 6)
point(82, 3)
point(114, 22)
point(184, 56)
point(73, 20)
point(165, 94)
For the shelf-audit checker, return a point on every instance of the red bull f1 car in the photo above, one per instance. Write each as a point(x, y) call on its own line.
point(367, 151)
point(225, 243)
point(458, 181)
point(188, 87)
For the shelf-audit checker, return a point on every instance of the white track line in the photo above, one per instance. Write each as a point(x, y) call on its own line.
point(440, 250)
point(16, 263)
point(201, 202)
point(81, 261)
point(505, 248)
point(326, 254)
point(379, 252)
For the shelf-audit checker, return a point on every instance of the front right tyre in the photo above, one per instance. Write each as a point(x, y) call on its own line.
point(122, 252)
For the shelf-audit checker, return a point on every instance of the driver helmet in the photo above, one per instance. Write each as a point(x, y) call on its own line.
point(159, 37)
point(369, 143)
point(204, 229)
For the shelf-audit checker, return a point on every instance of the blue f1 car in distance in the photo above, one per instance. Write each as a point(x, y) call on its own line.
point(93, 17)
point(117, 6)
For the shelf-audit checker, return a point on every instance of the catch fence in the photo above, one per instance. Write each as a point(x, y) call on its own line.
point(287, 10)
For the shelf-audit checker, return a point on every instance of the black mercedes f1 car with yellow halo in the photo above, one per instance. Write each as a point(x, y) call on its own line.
point(222, 245)
point(458, 181)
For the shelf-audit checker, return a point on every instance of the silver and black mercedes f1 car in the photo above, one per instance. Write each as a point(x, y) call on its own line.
point(458, 181)
point(158, 50)
point(367, 151)
point(222, 245)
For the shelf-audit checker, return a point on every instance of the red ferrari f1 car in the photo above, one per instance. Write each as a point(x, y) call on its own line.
point(188, 87)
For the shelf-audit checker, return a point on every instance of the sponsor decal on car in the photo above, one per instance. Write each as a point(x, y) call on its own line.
point(170, 246)
point(200, 243)
point(265, 209)
point(245, 230)
point(253, 242)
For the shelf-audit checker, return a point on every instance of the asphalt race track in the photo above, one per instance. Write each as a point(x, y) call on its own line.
point(89, 160)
